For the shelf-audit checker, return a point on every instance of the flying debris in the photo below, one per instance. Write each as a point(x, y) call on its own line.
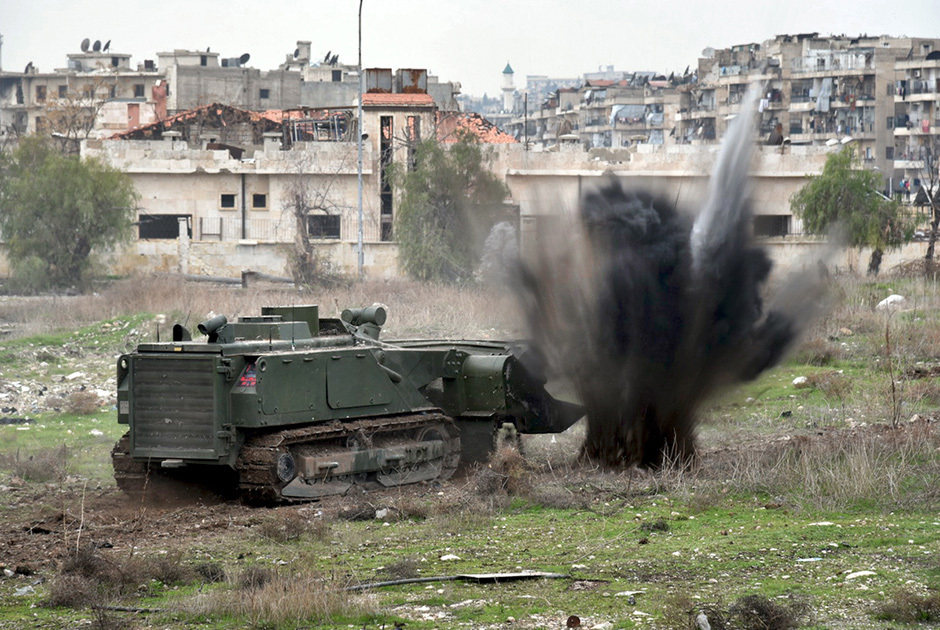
point(643, 313)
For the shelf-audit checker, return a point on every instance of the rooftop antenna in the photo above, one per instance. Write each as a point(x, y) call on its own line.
point(97, 46)
point(86, 44)
point(106, 46)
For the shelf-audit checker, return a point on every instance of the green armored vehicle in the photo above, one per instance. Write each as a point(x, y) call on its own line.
point(289, 406)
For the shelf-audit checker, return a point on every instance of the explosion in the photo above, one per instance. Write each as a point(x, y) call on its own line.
point(645, 312)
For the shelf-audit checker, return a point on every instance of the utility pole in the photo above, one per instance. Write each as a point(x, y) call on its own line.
point(359, 132)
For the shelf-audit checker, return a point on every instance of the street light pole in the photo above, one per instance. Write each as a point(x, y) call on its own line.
point(359, 132)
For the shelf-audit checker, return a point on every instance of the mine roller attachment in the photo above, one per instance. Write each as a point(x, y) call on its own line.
point(308, 463)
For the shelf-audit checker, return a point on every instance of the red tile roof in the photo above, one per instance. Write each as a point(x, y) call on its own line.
point(216, 110)
point(385, 99)
point(451, 124)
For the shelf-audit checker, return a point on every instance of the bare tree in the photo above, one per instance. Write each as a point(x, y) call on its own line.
point(72, 117)
point(930, 182)
point(312, 193)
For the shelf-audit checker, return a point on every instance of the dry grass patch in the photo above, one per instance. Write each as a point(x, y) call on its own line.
point(43, 465)
point(264, 595)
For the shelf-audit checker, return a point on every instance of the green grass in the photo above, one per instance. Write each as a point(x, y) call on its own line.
point(80, 445)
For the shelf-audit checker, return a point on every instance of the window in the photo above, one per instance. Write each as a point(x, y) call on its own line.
point(889, 153)
point(138, 90)
point(259, 201)
point(40, 93)
point(63, 91)
point(264, 93)
point(772, 225)
point(203, 60)
point(337, 76)
point(323, 225)
point(161, 226)
point(88, 91)
point(227, 201)
point(115, 62)
point(112, 92)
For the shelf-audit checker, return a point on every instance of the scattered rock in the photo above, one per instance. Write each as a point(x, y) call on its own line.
point(701, 622)
point(891, 302)
point(846, 332)
point(75, 375)
point(858, 574)
point(449, 557)
point(801, 382)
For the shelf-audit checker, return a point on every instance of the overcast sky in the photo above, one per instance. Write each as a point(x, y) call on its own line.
point(468, 41)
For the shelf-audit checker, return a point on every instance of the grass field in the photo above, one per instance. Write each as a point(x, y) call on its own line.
point(811, 506)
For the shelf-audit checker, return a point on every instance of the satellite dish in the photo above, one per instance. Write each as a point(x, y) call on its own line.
point(244, 59)
point(106, 46)
point(85, 44)
point(334, 59)
point(97, 46)
point(296, 53)
point(933, 56)
point(327, 58)
point(29, 67)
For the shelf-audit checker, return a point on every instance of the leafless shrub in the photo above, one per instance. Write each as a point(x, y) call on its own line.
point(209, 572)
point(818, 351)
point(402, 569)
point(287, 526)
point(71, 591)
point(82, 403)
point(41, 466)
point(757, 611)
point(254, 577)
point(914, 608)
point(506, 472)
point(87, 577)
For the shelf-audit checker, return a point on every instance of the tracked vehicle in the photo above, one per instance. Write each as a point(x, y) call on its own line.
point(288, 406)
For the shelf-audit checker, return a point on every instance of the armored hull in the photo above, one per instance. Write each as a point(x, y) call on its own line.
point(291, 407)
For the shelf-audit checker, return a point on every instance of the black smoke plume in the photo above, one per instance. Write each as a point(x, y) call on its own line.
point(645, 312)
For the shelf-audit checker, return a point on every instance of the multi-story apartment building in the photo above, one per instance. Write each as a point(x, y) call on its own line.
point(99, 93)
point(882, 94)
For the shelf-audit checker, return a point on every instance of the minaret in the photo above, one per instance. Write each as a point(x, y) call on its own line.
point(508, 88)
